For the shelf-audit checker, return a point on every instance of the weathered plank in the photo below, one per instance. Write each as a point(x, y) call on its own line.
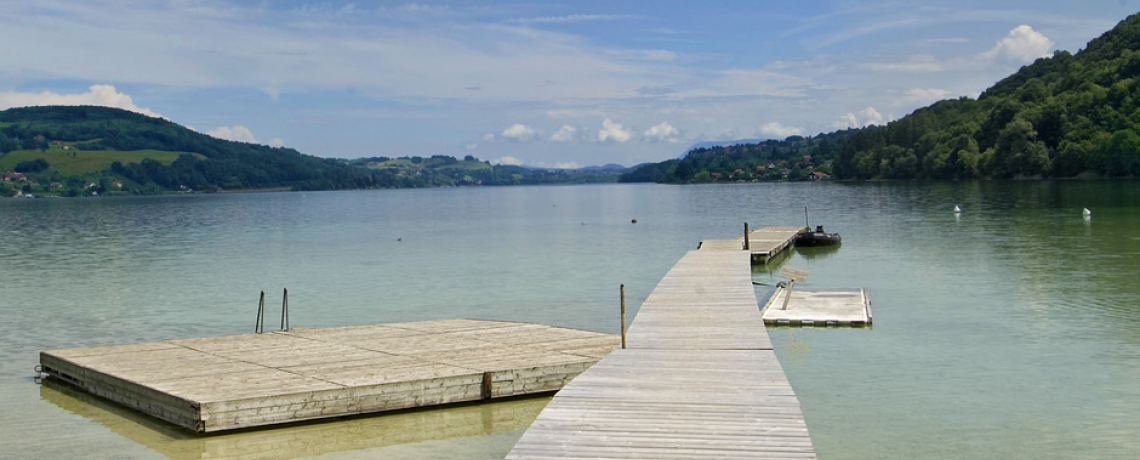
point(699, 379)
point(223, 383)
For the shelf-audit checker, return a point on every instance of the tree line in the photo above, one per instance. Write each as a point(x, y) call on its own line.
point(1064, 115)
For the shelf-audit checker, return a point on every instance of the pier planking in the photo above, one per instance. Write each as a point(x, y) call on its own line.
point(699, 379)
point(763, 243)
point(251, 380)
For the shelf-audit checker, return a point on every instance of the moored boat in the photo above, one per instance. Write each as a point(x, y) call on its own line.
point(817, 238)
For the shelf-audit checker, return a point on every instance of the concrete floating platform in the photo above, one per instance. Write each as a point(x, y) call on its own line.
point(244, 381)
point(819, 307)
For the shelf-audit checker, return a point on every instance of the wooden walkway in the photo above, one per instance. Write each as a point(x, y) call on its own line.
point(763, 243)
point(251, 380)
point(699, 379)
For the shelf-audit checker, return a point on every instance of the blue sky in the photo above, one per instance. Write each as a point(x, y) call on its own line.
point(541, 83)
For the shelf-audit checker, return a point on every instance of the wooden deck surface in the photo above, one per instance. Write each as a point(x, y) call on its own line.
point(223, 383)
point(699, 380)
point(763, 243)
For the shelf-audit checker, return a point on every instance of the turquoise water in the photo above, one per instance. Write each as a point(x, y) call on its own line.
point(1011, 331)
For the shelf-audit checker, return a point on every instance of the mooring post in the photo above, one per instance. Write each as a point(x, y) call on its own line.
point(259, 326)
point(746, 247)
point(788, 293)
point(285, 311)
point(622, 316)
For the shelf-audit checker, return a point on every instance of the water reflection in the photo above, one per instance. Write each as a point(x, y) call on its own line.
point(301, 440)
point(817, 252)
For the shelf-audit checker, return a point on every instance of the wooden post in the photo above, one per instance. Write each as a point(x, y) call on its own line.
point(746, 236)
point(285, 311)
point(259, 326)
point(623, 317)
point(788, 293)
point(488, 388)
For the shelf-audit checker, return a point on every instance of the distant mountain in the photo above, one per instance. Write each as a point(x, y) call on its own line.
point(608, 166)
point(605, 167)
point(1067, 115)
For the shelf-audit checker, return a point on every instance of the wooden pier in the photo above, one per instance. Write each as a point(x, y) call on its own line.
point(699, 379)
point(763, 244)
point(252, 380)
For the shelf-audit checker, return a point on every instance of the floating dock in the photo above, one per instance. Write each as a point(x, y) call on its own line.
point(299, 439)
point(819, 307)
point(252, 380)
point(698, 380)
point(763, 244)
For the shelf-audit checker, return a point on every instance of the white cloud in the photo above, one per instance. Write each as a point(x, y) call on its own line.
point(506, 160)
point(237, 133)
point(472, 146)
point(1023, 44)
point(489, 137)
point(612, 131)
point(866, 117)
point(775, 130)
point(101, 95)
point(871, 116)
point(519, 132)
point(663, 132)
point(566, 133)
point(276, 142)
point(921, 96)
point(567, 165)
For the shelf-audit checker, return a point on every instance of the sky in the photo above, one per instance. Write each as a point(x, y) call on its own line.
point(545, 84)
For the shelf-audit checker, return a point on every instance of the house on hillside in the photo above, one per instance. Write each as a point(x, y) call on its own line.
point(12, 176)
point(817, 175)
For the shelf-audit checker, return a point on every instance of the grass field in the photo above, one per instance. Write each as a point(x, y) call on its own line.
point(77, 162)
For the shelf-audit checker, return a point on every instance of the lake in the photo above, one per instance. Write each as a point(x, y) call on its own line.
point(1010, 331)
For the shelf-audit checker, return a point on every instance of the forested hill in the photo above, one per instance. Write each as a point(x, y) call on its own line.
point(86, 150)
point(152, 154)
point(1062, 116)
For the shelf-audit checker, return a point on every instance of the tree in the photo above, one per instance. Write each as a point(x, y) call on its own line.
point(1121, 154)
point(33, 166)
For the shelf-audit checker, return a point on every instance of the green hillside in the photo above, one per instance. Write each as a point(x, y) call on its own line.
point(72, 161)
point(63, 150)
point(152, 155)
point(1062, 116)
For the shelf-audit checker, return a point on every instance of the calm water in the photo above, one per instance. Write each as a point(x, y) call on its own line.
point(1009, 332)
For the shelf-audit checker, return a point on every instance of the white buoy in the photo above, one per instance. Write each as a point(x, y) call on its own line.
point(957, 210)
point(1087, 212)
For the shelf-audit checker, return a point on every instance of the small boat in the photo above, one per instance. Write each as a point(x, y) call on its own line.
point(817, 238)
